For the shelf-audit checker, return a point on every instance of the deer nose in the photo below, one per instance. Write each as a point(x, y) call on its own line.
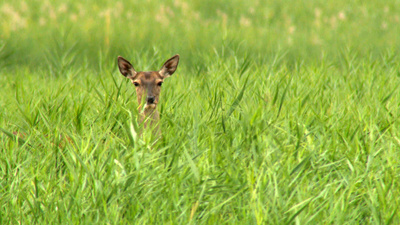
point(150, 99)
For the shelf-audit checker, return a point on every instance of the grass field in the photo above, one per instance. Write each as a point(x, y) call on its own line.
point(280, 112)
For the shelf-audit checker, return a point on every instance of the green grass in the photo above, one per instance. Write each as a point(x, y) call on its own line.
point(279, 113)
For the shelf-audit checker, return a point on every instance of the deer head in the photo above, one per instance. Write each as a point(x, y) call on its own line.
point(148, 84)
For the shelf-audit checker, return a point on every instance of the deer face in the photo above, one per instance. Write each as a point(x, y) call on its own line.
point(148, 84)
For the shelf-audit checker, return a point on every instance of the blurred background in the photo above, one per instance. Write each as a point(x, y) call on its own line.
point(39, 33)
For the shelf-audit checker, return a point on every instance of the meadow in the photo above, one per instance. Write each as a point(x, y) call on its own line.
point(280, 112)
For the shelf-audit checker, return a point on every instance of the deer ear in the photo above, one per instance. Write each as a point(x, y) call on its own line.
point(126, 68)
point(169, 66)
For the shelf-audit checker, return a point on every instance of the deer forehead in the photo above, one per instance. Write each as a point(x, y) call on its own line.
point(148, 77)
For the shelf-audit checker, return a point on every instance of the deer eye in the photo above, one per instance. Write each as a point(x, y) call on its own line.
point(159, 83)
point(136, 84)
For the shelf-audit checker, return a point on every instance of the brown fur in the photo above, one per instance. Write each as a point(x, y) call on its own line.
point(148, 88)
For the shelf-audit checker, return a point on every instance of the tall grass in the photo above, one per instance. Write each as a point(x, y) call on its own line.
point(279, 113)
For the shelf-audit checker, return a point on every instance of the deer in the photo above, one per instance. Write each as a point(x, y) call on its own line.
point(148, 87)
